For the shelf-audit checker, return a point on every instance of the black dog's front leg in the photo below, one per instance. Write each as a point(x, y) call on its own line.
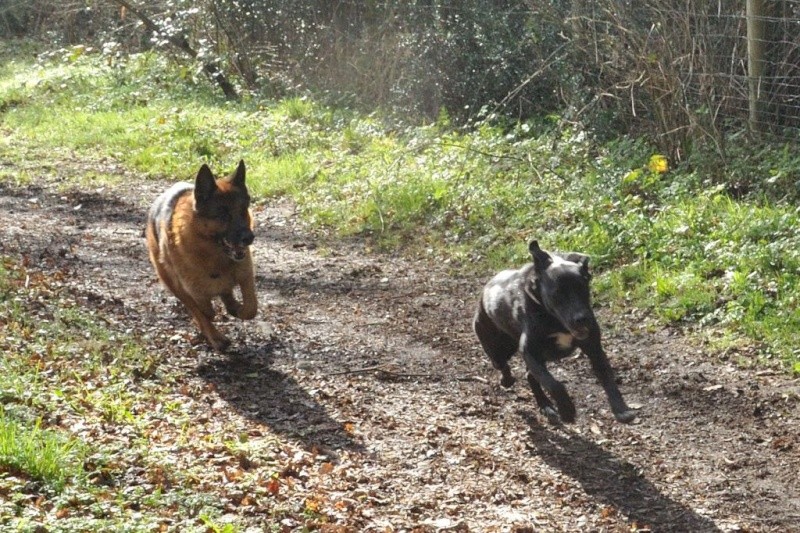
point(545, 406)
point(602, 369)
point(540, 378)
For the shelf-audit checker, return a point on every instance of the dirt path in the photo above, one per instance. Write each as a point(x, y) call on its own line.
point(369, 362)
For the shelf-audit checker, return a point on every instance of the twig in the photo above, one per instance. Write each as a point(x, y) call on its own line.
point(407, 375)
point(383, 370)
point(475, 150)
point(357, 370)
point(472, 378)
point(550, 60)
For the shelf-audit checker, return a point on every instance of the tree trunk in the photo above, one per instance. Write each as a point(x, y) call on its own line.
point(181, 43)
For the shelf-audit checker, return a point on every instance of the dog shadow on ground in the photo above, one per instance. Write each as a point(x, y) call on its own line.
point(268, 396)
point(612, 481)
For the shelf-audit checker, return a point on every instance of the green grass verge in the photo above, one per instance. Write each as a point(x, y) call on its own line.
point(672, 240)
point(65, 378)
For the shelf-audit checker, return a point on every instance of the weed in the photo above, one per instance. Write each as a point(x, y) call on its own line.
point(44, 455)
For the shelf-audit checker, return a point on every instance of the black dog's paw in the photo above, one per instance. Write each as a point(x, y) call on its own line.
point(551, 414)
point(507, 381)
point(568, 417)
point(626, 417)
point(566, 410)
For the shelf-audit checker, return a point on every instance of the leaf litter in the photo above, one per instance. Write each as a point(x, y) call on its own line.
point(359, 400)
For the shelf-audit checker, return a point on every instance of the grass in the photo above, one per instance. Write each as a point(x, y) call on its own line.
point(675, 241)
point(44, 455)
point(64, 379)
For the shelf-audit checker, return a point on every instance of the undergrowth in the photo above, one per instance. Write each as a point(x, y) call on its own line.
point(709, 245)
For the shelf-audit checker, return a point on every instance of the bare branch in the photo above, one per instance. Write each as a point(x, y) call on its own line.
point(181, 43)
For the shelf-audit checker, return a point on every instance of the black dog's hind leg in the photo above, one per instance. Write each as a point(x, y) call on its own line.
point(497, 345)
point(540, 378)
point(602, 369)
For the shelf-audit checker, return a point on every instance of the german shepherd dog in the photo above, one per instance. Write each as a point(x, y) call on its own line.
point(543, 310)
point(198, 238)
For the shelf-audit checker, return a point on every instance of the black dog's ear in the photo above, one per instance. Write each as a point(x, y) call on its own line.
point(204, 185)
point(582, 260)
point(541, 259)
point(575, 257)
point(237, 176)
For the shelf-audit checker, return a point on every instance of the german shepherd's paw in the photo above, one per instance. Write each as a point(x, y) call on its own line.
point(220, 344)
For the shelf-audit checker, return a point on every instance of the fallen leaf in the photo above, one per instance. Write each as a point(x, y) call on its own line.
point(607, 512)
point(273, 486)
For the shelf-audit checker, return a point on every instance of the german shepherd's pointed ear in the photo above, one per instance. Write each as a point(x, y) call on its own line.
point(204, 185)
point(237, 176)
point(541, 259)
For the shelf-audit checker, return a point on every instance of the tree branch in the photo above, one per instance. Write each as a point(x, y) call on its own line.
point(181, 43)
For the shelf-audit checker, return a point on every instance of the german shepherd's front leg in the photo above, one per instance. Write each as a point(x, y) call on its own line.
point(203, 320)
point(249, 306)
point(249, 302)
point(203, 313)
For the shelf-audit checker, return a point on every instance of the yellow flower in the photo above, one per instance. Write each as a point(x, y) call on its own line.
point(658, 164)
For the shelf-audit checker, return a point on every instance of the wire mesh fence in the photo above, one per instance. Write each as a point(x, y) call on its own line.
point(694, 71)
point(766, 96)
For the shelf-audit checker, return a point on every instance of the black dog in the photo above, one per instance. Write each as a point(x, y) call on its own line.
point(544, 311)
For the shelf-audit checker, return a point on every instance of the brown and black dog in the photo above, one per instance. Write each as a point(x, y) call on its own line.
point(198, 238)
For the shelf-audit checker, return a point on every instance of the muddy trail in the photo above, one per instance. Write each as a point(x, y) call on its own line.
point(369, 360)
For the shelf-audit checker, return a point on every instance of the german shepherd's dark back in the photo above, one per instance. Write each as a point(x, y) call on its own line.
point(198, 239)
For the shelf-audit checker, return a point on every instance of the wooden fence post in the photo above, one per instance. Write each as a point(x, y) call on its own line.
point(755, 60)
